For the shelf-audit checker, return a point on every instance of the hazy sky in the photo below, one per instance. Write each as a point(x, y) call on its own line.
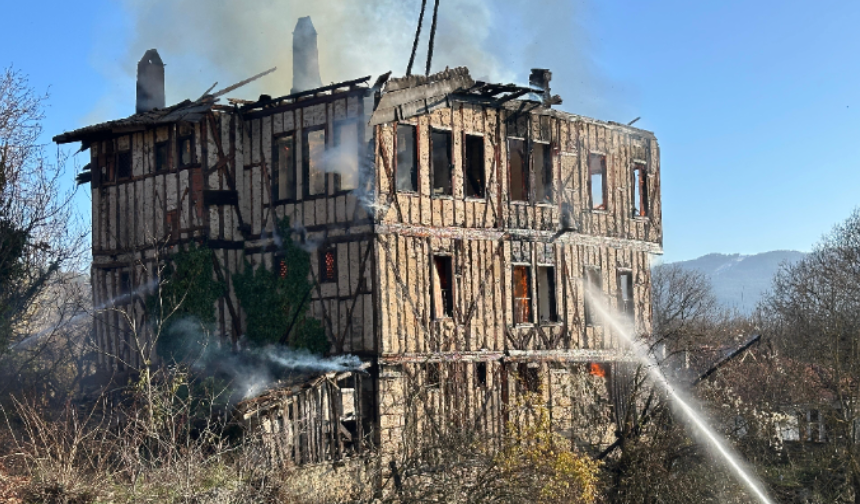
point(754, 103)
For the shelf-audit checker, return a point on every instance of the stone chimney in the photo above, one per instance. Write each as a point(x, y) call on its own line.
point(306, 65)
point(150, 82)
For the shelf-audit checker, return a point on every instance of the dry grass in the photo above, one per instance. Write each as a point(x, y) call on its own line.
point(10, 487)
point(164, 444)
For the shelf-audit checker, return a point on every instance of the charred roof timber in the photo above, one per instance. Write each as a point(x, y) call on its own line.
point(150, 82)
point(306, 65)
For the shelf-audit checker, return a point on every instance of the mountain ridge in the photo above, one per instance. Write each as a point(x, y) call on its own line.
point(740, 280)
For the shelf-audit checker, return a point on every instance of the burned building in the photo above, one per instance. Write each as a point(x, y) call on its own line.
point(457, 223)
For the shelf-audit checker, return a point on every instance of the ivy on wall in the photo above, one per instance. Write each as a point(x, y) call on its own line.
point(278, 301)
point(187, 291)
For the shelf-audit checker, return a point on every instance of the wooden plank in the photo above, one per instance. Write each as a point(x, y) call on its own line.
point(266, 181)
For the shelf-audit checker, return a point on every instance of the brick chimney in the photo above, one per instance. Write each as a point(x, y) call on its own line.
point(306, 66)
point(150, 82)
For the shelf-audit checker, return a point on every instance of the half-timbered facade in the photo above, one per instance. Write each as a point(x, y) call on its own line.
point(456, 225)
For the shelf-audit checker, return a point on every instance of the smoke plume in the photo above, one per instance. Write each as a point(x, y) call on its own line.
point(202, 42)
point(252, 371)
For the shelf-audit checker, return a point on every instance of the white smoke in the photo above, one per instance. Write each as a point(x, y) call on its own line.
point(253, 370)
point(84, 315)
point(202, 42)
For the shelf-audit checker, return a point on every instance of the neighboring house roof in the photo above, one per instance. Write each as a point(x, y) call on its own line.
point(276, 396)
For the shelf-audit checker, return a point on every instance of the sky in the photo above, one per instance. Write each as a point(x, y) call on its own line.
point(755, 104)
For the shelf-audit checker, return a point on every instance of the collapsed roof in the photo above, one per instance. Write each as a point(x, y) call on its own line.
point(399, 99)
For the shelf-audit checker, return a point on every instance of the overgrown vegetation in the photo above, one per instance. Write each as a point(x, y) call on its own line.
point(163, 443)
point(39, 234)
point(187, 291)
point(276, 303)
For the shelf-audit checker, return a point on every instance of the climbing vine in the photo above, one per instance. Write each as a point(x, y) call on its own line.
point(276, 302)
point(187, 292)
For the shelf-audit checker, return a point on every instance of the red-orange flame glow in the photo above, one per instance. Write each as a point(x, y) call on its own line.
point(596, 370)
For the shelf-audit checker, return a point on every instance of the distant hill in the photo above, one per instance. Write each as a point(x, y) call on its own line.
point(740, 280)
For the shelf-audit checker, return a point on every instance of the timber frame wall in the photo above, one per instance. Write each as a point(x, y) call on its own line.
point(381, 305)
point(485, 239)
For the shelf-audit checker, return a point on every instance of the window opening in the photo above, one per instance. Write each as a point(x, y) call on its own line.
point(625, 294)
point(597, 369)
point(186, 150)
point(407, 166)
point(161, 156)
point(519, 173)
point(473, 179)
point(284, 174)
point(529, 378)
point(547, 311)
point(594, 286)
point(109, 170)
point(328, 266)
point(433, 374)
point(522, 300)
point(815, 426)
point(283, 269)
point(597, 181)
point(481, 373)
point(542, 154)
point(313, 155)
point(441, 145)
point(124, 286)
point(172, 220)
point(789, 429)
point(346, 159)
point(640, 191)
point(123, 163)
point(443, 305)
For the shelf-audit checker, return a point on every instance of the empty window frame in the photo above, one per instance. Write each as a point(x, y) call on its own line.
point(108, 160)
point(542, 157)
point(171, 219)
point(123, 164)
point(443, 287)
point(185, 145)
point(522, 297)
point(284, 172)
point(474, 181)
point(625, 294)
point(281, 267)
point(481, 374)
point(529, 378)
point(639, 185)
point(162, 156)
point(597, 181)
point(547, 309)
point(815, 426)
point(593, 288)
point(407, 158)
point(442, 168)
point(313, 156)
point(518, 169)
point(432, 374)
point(345, 162)
point(124, 287)
point(328, 265)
